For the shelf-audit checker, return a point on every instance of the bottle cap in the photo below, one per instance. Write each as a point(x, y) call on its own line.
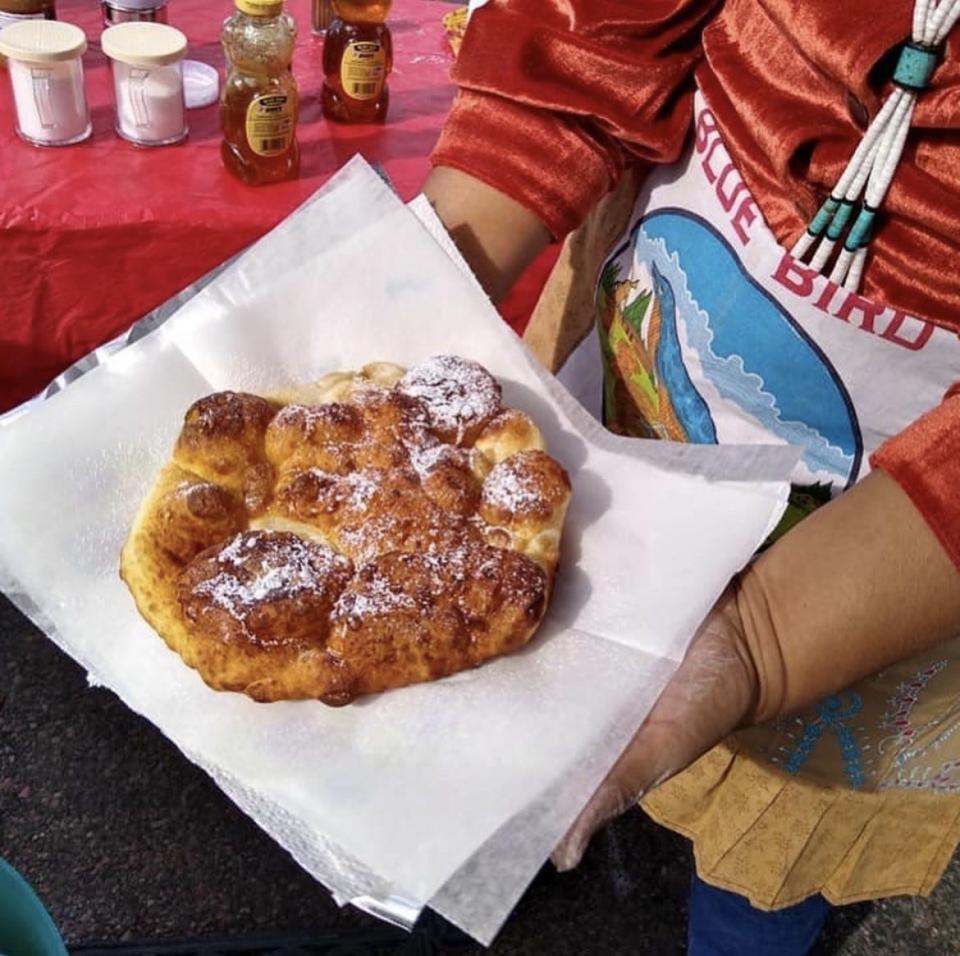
point(141, 43)
point(259, 8)
point(201, 84)
point(42, 41)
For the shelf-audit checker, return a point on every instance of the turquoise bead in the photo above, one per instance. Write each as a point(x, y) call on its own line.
point(840, 221)
point(824, 214)
point(915, 66)
point(860, 231)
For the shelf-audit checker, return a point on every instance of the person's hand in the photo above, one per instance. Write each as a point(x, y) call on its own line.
point(710, 695)
point(860, 584)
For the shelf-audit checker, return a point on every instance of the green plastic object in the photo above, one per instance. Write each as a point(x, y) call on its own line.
point(26, 928)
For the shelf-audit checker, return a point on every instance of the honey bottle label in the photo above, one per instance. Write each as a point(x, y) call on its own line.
point(363, 68)
point(270, 123)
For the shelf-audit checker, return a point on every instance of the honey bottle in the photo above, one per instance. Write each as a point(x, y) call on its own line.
point(259, 104)
point(357, 57)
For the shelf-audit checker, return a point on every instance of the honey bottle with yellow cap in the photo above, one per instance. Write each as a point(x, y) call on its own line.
point(357, 58)
point(259, 103)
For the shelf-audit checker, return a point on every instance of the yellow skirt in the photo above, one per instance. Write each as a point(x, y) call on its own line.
point(777, 839)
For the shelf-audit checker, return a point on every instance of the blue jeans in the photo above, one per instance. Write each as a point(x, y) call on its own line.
point(725, 924)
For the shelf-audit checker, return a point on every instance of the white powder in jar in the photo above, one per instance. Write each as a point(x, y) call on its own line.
point(150, 107)
point(51, 106)
point(147, 81)
point(46, 77)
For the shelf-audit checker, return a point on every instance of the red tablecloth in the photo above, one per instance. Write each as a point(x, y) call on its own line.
point(96, 235)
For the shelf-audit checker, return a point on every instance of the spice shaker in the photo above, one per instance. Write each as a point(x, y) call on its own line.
point(147, 81)
point(12, 11)
point(123, 11)
point(46, 75)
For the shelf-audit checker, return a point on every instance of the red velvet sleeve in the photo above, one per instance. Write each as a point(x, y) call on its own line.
point(556, 96)
point(924, 460)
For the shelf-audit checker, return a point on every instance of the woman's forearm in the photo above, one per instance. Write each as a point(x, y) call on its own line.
point(497, 236)
point(857, 586)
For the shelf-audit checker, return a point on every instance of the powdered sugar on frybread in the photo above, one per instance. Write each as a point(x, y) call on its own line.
point(465, 578)
point(265, 565)
point(388, 477)
point(511, 488)
point(528, 484)
point(257, 569)
point(461, 396)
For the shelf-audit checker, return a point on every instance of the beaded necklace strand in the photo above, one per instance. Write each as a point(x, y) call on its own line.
point(862, 187)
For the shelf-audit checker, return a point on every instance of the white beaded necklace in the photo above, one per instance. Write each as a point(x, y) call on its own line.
point(864, 183)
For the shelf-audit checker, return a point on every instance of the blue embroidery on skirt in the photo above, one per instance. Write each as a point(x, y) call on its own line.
point(830, 716)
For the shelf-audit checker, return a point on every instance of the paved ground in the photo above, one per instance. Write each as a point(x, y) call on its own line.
point(125, 840)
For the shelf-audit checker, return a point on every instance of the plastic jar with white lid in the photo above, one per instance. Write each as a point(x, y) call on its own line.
point(147, 81)
point(46, 76)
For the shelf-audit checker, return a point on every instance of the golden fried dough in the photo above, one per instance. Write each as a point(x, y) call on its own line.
point(374, 529)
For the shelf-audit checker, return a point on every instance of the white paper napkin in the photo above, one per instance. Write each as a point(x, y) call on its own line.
point(454, 792)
